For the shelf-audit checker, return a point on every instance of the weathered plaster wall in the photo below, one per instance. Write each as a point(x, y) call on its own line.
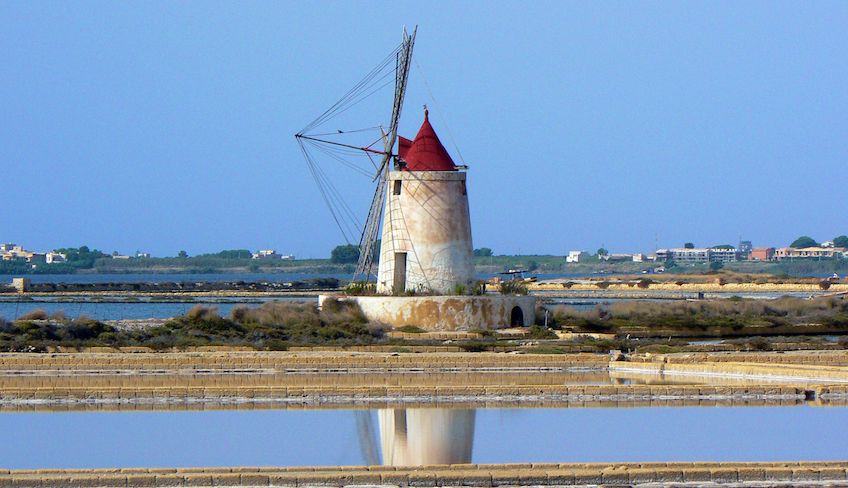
point(445, 312)
point(430, 222)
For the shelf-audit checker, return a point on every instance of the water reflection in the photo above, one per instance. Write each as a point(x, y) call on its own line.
point(423, 436)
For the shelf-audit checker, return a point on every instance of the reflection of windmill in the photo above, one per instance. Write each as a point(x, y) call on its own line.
point(310, 138)
point(418, 436)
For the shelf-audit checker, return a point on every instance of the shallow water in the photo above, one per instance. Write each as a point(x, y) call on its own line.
point(125, 311)
point(415, 436)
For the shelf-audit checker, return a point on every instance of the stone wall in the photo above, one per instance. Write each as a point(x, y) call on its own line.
point(821, 473)
point(445, 313)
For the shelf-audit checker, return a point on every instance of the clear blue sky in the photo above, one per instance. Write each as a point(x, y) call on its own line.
point(165, 126)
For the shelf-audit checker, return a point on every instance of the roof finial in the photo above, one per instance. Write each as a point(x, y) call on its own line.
point(426, 112)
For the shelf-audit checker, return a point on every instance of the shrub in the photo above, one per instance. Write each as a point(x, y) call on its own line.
point(513, 287)
point(545, 350)
point(540, 332)
point(37, 314)
point(759, 344)
point(459, 289)
point(357, 288)
point(58, 316)
point(824, 284)
point(479, 288)
point(645, 283)
point(603, 285)
point(474, 346)
point(84, 329)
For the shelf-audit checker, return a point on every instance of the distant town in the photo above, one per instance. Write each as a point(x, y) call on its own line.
point(15, 252)
point(802, 248)
point(17, 259)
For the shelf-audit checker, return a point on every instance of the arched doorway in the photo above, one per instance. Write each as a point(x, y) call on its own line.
point(516, 317)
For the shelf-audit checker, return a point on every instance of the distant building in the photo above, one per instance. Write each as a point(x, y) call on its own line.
point(265, 254)
point(745, 248)
point(723, 255)
point(15, 252)
point(761, 254)
point(576, 256)
point(682, 255)
point(140, 254)
point(639, 258)
point(784, 253)
point(55, 257)
point(827, 244)
point(287, 257)
point(616, 257)
point(20, 284)
point(120, 256)
point(697, 255)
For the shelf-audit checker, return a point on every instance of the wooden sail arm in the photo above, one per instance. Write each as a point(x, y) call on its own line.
point(366, 149)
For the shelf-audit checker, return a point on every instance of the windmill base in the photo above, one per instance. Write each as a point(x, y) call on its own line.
point(446, 313)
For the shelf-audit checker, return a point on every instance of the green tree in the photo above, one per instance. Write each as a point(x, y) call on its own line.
point(602, 252)
point(235, 254)
point(716, 265)
point(688, 245)
point(804, 241)
point(841, 241)
point(182, 254)
point(347, 253)
point(81, 257)
point(483, 251)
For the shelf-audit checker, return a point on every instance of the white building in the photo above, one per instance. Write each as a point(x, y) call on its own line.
point(265, 254)
point(576, 256)
point(698, 255)
point(55, 257)
point(616, 257)
point(723, 255)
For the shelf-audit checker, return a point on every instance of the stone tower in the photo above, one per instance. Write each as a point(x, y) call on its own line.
point(426, 241)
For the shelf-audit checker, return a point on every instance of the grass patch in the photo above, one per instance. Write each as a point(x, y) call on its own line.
point(410, 329)
point(273, 326)
point(697, 317)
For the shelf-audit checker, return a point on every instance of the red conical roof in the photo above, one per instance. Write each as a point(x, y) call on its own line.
point(425, 152)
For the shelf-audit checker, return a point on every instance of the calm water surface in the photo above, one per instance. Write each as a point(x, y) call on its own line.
point(120, 311)
point(415, 436)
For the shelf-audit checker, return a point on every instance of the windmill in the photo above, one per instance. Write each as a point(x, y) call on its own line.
point(311, 138)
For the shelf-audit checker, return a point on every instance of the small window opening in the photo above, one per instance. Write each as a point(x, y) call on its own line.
point(396, 190)
point(464, 190)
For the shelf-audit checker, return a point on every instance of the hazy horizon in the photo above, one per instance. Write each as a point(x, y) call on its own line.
point(166, 127)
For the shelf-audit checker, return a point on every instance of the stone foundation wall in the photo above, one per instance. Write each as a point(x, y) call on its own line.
point(444, 313)
point(482, 475)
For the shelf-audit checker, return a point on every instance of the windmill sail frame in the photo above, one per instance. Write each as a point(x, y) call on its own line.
point(365, 266)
